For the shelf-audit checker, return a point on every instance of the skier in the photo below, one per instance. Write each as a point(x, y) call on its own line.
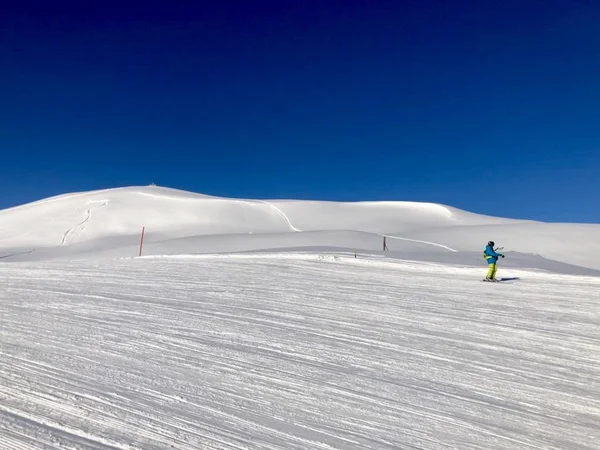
point(491, 257)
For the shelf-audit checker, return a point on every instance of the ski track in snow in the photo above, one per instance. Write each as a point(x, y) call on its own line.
point(283, 215)
point(81, 225)
point(281, 352)
point(445, 247)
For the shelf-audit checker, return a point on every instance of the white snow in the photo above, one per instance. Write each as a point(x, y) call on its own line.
point(295, 351)
point(251, 324)
point(108, 223)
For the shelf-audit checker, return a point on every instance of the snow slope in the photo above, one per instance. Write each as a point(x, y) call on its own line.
point(288, 341)
point(295, 351)
point(108, 223)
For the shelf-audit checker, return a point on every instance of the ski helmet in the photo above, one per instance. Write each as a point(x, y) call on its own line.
point(491, 243)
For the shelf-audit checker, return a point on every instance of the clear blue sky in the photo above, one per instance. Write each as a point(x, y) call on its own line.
point(489, 106)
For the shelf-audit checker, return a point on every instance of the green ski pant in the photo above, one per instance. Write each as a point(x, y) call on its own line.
point(492, 271)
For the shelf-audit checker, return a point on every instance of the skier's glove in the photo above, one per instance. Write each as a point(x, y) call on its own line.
point(502, 256)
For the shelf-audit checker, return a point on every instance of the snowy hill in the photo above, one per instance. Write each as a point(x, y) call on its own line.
point(108, 223)
point(288, 341)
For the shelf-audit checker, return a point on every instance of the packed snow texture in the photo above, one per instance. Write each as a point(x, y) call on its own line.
point(296, 351)
point(108, 224)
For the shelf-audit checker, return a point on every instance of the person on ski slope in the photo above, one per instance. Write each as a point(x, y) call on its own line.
point(492, 258)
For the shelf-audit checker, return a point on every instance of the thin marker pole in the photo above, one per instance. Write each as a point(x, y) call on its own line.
point(142, 240)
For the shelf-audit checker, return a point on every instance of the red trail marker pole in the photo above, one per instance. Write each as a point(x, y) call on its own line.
point(142, 240)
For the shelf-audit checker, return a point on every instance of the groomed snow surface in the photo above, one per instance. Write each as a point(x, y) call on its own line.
point(285, 340)
point(296, 352)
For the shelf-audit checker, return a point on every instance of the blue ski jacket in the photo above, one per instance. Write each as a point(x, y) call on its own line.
point(490, 255)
